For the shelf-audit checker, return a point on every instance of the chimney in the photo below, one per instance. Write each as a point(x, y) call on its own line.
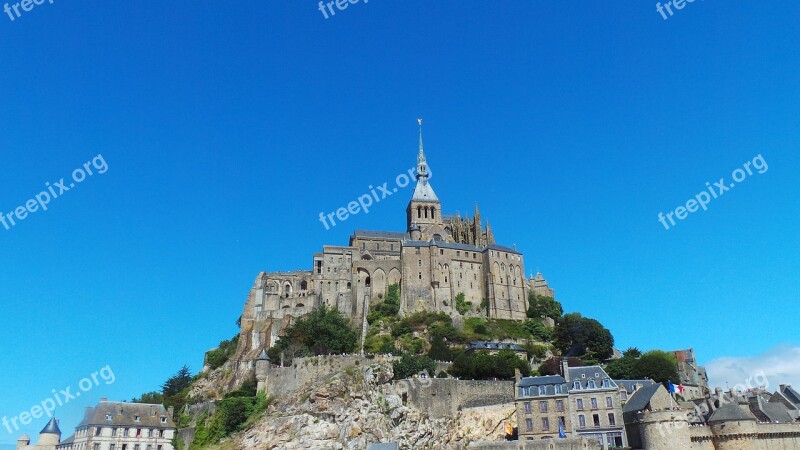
point(517, 376)
point(565, 368)
point(171, 412)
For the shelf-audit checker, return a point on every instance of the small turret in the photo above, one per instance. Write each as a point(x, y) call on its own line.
point(23, 441)
point(262, 371)
point(50, 434)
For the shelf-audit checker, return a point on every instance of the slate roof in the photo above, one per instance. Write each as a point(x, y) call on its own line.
point(423, 192)
point(791, 394)
point(639, 400)
point(453, 245)
point(730, 412)
point(543, 380)
point(502, 248)
point(585, 373)
point(629, 384)
point(51, 427)
point(389, 446)
point(380, 234)
point(486, 345)
point(124, 414)
point(775, 412)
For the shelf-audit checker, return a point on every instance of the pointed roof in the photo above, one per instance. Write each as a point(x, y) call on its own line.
point(51, 427)
point(263, 356)
point(423, 191)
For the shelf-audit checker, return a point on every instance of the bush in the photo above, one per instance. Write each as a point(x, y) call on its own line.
point(323, 331)
point(410, 365)
point(462, 306)
point(483, 366)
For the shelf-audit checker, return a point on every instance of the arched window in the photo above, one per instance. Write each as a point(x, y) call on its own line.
point(433, 213)
point(367, 282)
point(303, 285)
point(426, 212)
point(419, 212)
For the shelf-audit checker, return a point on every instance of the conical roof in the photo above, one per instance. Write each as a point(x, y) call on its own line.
point(51, 427)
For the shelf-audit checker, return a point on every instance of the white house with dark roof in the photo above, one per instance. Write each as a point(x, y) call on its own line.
point(123, 426)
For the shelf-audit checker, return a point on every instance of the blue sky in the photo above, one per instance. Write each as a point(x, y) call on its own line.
point(227, 129)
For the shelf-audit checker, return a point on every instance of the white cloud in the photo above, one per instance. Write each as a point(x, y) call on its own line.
point(780, 365)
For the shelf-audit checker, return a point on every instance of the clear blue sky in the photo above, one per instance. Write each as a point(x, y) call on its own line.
point(228, 127)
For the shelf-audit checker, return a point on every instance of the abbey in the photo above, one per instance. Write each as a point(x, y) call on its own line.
point(436, 258)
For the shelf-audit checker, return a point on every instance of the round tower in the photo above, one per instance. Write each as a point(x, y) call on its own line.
point(262, 370)
point(664, 430)
point(733, 427)
point(50, 434)
point(416, 234)
point(23, 441)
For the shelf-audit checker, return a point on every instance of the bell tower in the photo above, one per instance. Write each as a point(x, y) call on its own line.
point(425, 210)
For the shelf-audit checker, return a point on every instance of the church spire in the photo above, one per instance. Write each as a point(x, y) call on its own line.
point(422, 165)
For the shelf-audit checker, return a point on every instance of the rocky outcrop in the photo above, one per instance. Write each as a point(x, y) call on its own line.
point(357, 406)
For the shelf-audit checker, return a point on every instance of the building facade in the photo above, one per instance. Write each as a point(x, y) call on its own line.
point(123, 426)
point(436, 258)
point(582, 402)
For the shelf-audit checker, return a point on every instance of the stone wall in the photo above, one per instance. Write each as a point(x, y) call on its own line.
point(289, 380)
point(445, 397)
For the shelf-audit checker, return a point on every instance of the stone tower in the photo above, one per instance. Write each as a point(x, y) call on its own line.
point(425, 209)
point(664, 430)
point(50, 434)
point(262, 371)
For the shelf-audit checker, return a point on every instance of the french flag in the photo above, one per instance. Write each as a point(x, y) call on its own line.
point(675, 389)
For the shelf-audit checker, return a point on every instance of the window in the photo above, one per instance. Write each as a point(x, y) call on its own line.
point(126, 432)
point(576, 385)
point(582, 421)
point(136, 418)
point(543, 407)
point(149, 447)
point(378, 246)
point(163, 419)
point(611, 419)
point(138, 433)
point(559, 389)
point(113, 432)
point(441, 252)
point(150, 433)
point(579, 403)
point(624, 395)
point(97, 431)
point(160, 447)
point(562, 422)
point(160, 433)
point(112, 446)
point(545, 424)
point(542, 390)
point(592, 384)
point(529, 424)
point(108, 416)
point(594, 403)
point(96, 446)
point(596, 418)
point(606, 383)
point(419, 263)
point(609, 402)
point(527, 407)
point(560, 405)
point(420, 275)
point(136, 447)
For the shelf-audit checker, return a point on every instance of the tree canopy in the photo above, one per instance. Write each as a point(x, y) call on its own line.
point(483, 366)
point(656, 365)
point(323, 331)
point(583, 337)
point(540, 307)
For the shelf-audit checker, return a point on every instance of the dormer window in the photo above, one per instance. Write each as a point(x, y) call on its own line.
point(163, 419)
point(592, 384)
point(137, 418)
point(606, 383)
point(542, 390)
point(576, 385)
point(108, 417)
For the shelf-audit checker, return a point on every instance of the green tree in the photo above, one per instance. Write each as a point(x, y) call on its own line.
point(632, 352)
point(178, 382)
point(583, 337)
point(538, 330)
point(540, 307)
point(483, 366)
point(462, 306)
point(410, 365)
point(323, 331)
point(440, 351)
point(658, 366)
point(623, 368)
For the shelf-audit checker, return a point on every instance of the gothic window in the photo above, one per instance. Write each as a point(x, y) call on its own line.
point(367, 282)
point(303, 285)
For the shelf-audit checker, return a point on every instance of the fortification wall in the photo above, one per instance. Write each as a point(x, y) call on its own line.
point(445, 397)
point(288, 380)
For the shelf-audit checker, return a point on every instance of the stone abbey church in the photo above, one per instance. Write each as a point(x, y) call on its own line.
point(436, 258)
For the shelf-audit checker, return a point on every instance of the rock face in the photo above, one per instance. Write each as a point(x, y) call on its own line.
point(355, 407)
